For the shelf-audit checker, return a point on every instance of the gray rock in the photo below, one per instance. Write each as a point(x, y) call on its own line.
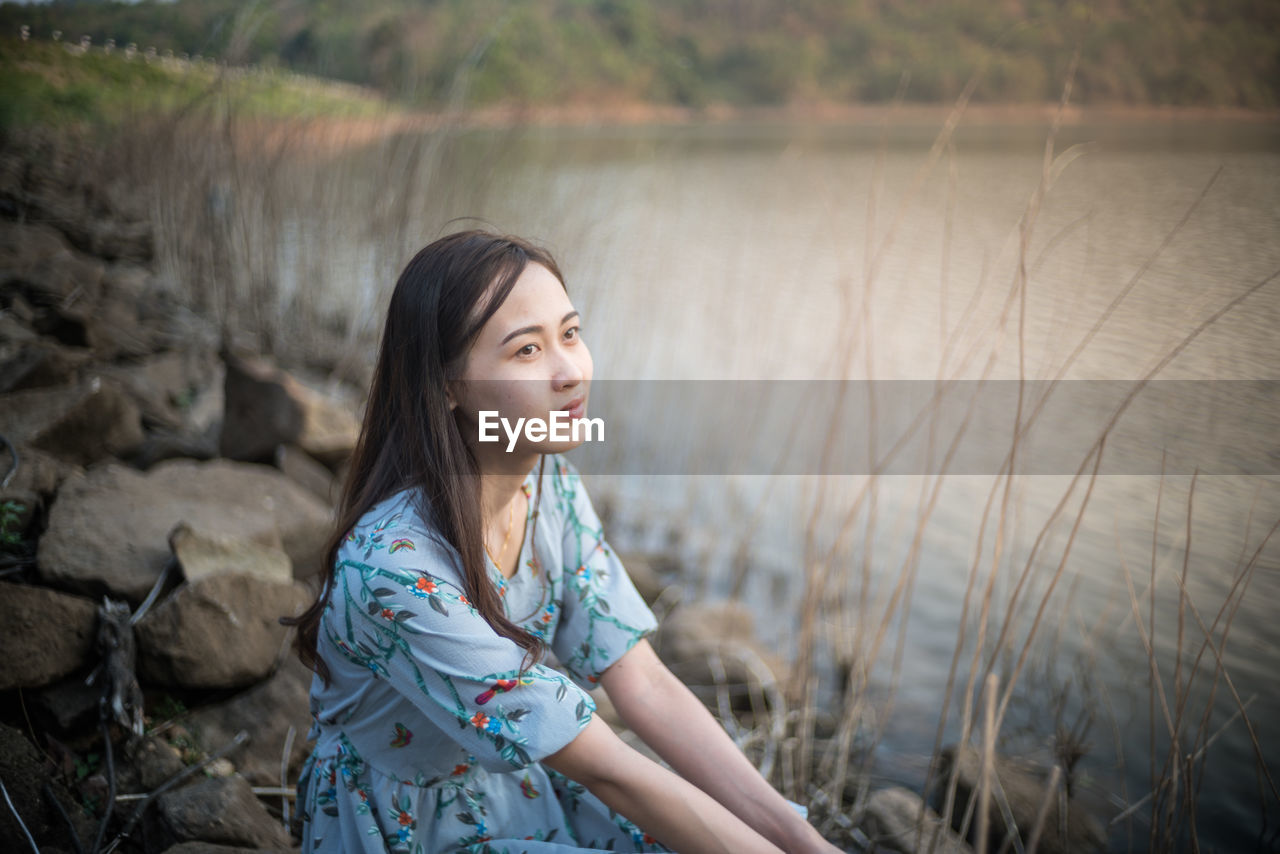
point(52, 188)
point(205, 553)
point(893, 818)
point(160, 445)
point(37, 472)
point(221, 810)
point(308, 472)
point(692, 637)
point(24, 771)
point(126, 280)
point(110, 328)
point(222, 631)
point(1024, 789)
point(265, 711)
point(179, 390)
point(70, 703)
point(15, 325)
point(267, 406)
point(38, 261)
point(81, 424)
point(41, 363)
point(152, 761)
point(44, 635)
point(109, 529)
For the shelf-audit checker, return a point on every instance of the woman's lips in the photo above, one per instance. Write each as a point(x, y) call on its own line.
point(576, 408)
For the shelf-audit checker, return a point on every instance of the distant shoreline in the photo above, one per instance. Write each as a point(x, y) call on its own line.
point(836, 113)
point(331, 134)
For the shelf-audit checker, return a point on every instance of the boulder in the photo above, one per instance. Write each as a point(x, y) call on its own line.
point(71, 703)
point(44, 635)
point(265, 711)
point(38, 472)
point(179, 390)
point(894, 818)
point(37, 261)
point(267, 406)
point(172, 325)
point(205, 553)
point(65, 190)
point(236, 616)
point(40, 363)
point(80, 424)
point(1024, 789)
point(692, 637)
point(25, 772)
point(110, 328)
point(308, 472)
point(160, 445)
point(15, 325)
point(126, 280)
point(151, 761)
point(109, 528)
point(221, 810)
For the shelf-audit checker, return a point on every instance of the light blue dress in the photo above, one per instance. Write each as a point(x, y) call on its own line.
point(428, 738)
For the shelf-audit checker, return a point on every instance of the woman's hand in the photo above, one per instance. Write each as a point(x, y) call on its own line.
point(672, 810)
point(649, 698)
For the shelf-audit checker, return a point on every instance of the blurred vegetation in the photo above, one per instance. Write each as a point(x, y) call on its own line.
point(701, 52)
point(48, 83)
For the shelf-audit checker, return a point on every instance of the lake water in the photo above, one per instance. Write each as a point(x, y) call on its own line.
point(750, 252)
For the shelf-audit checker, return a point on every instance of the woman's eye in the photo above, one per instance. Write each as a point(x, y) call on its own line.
point(573, 333)
point(521, 351)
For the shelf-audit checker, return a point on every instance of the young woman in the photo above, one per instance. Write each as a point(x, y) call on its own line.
point(454, 566)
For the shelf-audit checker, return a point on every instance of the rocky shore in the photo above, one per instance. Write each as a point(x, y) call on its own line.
point(163, 498)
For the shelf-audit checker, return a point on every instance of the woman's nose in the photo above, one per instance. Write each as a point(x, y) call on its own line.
point(569, 370)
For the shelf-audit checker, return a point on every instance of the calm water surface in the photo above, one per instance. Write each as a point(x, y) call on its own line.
point(747, 252)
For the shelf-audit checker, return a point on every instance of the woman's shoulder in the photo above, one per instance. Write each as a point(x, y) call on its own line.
point(396, 526)
point(398, 510)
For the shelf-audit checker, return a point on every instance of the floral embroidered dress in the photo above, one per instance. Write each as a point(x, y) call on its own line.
point(428, 737)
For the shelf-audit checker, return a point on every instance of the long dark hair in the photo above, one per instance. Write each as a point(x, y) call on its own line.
point(410, 437)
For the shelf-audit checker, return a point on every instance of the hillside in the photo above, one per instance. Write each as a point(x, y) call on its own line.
point(60, 84)
point(698, 53)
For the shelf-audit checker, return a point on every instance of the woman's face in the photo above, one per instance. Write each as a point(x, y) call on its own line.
point(528, 361)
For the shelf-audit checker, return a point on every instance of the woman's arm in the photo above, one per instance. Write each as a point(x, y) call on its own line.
point(660, 709)
point(676, 813)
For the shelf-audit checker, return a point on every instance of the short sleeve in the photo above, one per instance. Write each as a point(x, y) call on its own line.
point(604, 615)
point(400, 610)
